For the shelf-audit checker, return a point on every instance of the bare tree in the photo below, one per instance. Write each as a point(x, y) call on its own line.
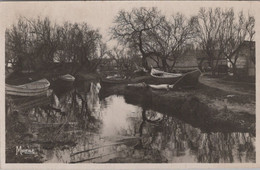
point(124, 60)
point(235, 34)
point(131, 28)
point(212, 34)
point(33, 44)
point(102, 50)
point(250, 27)
point(17, 43)
point(80, 42)
point(221, 34)
point(169, 40)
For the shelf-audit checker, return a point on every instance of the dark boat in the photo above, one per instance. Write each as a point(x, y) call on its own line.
point(189, 79)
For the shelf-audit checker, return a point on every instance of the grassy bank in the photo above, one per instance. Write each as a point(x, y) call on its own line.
point(207, 108)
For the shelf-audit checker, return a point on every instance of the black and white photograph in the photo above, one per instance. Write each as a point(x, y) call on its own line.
point(129, 82)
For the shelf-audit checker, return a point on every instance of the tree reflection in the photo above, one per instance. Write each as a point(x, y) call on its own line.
point(48, 124)
point(77, 127)
point(173, 139)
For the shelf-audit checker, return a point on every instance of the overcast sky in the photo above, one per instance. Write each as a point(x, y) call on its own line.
point(100, 15)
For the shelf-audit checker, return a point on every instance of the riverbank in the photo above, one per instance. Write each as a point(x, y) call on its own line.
point(214, 105)
point(208, 108)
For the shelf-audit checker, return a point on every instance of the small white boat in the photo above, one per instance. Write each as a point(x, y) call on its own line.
point(162, 74)
point(161, 77)
point(143, 84)
point(67, 77)
point(36, 88)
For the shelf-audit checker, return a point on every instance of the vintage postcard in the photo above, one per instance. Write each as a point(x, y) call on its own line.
point(129, 84)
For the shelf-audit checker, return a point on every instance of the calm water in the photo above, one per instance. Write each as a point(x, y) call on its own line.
point(76, 126)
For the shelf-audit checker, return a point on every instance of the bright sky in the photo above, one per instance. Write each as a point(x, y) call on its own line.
point(100, 14)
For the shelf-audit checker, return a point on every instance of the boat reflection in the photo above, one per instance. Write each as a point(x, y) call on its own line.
point(78, 127)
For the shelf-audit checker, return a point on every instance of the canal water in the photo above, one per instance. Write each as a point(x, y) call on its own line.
point(78, 126)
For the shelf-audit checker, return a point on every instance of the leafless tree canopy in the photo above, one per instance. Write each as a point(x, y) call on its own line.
point(132, 29)
point(221, 33)
point(144, 32)
point(33, 44)
point(149, 32)
point(218, 32)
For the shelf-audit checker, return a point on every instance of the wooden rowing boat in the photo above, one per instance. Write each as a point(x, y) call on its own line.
point(63, 82)
point(113, 80)
point(188, 78)
point(67, 77)
point(36, 88)
point(161, 77)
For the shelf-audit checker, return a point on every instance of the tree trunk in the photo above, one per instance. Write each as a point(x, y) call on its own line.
point(234, 68)
point(164, 64)
point(213, 68)
point(144, 56)
point(200, 64)
point(144, 63)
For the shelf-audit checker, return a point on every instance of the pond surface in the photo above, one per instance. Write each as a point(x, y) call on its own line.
point(76, 126)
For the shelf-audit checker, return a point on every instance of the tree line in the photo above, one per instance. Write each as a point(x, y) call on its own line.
point(143, 32)
point(217, 32)
point(34, 44)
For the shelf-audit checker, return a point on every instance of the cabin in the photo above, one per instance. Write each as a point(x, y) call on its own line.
point(245, 54)
point(184, 63)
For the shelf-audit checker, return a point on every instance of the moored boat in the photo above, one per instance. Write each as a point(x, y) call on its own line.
point(62, 82)
point(134, 85)
point(189, 79)
point(67, 77)
point(36, 88)
point(113, 80)
point(161, 77)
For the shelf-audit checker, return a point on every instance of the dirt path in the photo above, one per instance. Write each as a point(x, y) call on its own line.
point(230, 87)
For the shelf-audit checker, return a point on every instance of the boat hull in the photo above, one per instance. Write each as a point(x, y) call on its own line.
point(158, 80)
point(161, 77)
point(43, 93)
point(67, 78)
point(189, 79)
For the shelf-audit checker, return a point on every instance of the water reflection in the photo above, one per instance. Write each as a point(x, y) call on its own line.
point(76, 127)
